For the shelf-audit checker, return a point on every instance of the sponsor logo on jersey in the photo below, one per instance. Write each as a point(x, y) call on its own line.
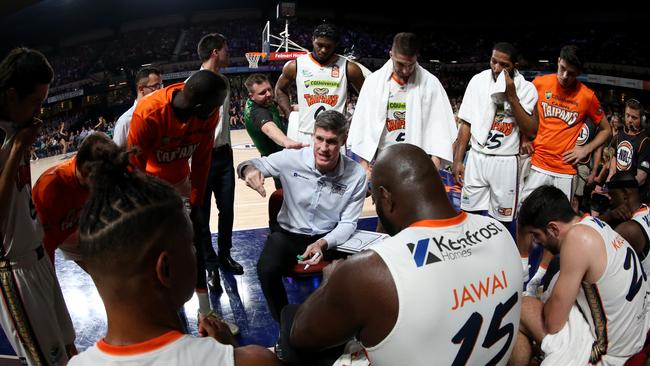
point(397, 123)
point(552, 111)
point(179, 153)
point(476, 291)
point(307, 73)
point(322, 84)
point(450, 248)
point(320, 96)
point(624, 154)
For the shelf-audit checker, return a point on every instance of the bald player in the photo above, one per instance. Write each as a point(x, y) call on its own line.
point(412, 299)
point(626, 203)
point(172, 126)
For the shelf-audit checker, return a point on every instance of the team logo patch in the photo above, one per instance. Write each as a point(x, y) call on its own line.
point(624, 153)
point(164, 140)
point(321, 91)
point(583, 137)
point(505, 211)
point(335, 71)
point(548, 95)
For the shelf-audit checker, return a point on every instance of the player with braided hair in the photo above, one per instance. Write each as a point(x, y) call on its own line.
point(135, 237)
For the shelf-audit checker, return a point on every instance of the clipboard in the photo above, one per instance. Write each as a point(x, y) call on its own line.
point(360, 240)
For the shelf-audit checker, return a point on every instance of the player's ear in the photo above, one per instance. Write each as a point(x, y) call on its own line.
point(162, 269)
point(387, 197)
point(553, 229)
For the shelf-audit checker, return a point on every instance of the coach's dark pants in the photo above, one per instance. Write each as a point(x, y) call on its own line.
point(221, 182)
point(277, 259)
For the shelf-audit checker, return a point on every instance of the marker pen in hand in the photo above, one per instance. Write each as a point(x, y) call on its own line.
point(312, 259)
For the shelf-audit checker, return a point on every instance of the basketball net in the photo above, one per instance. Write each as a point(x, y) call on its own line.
point(254, 59)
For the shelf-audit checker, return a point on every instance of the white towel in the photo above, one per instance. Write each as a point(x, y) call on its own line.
point(571, 345)
point(478, 110)
point(430, 121)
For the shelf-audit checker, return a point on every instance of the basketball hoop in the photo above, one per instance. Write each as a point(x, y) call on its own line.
point(254, 58)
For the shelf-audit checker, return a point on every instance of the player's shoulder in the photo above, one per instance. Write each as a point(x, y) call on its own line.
point(544, 79)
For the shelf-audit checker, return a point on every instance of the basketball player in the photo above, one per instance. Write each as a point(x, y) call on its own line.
point(143, 265)
point(147, 81)
point(599, 271)
point(171, 126)
point(321, 79)
point(33, 314)
point(492, 179)
point(624, 192)
point(59, 195)
point(563, 105)
point(412, 299)
point(402, 102)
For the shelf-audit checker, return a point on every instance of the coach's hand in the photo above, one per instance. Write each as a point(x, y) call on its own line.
point(458, 169)
point(255, 179)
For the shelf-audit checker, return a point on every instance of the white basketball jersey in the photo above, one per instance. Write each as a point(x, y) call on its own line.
point(503, 138)
point(616, 306)
point(458, 285)
point(19, 226)
point(320, 88)
point(642, 216)
point(395, 127)
point(170, 349)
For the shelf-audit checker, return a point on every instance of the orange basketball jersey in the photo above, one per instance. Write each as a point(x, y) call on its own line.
point(562, 113)
point(59, 198)
point(167, 143)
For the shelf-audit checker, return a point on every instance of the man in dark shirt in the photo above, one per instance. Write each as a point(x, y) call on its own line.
point(262, 118)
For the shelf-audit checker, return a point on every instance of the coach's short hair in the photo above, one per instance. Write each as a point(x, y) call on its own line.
point(209, 42)
point(327, 30)
point(332, 121)
point(254, 79)
point(406, 44)
point(23, 69)
point(508, 49)
point(573, 55)
point(545, 204)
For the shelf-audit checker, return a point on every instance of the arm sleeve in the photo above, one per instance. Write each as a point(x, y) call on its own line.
point(595, 112)
point(260, 116)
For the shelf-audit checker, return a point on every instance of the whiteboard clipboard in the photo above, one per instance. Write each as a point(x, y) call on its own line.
point(360, 240)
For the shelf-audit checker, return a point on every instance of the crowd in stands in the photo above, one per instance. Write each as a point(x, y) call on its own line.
point(125, 52)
